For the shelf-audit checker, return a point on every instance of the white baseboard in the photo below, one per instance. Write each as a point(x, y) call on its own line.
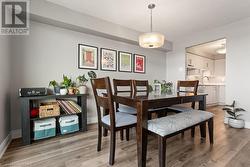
point(92, 120)
point(247, 124)
point(16, 134)
point(4, 145)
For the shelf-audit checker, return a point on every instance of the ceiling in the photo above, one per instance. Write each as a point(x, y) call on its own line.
point(208, 49)
point(172, 17)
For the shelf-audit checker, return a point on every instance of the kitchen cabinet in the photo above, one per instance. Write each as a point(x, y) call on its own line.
point(216, 94)
point(212, 97)
point(201, 63)
point(219, 67)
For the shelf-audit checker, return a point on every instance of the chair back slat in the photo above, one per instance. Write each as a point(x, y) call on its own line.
point(103, 100)
point(188, 84)
point(125, 84)
point(140, 86)
point(122, 86)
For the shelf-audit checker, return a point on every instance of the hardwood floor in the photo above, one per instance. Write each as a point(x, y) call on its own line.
point(231, 149)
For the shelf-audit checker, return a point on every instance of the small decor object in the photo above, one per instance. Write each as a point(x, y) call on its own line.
point(34, 112)
point(157, 88)
point(125, 61)
point(82, 80)
point(44, 128)
point(69, 124)
point(87, 57)
point(63, 91)
point(108, 59)
point(50, 109)
point(56, 86)
point(92, 74)
point(72, 88)
point(234, 120)
point(139, 63)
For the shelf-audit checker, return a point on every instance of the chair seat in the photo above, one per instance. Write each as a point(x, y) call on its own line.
point(121, 119)
point(180, 108)
point(127, 109)
point(174, 123)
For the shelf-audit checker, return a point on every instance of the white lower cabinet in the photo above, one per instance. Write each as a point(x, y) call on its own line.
point(216, 94)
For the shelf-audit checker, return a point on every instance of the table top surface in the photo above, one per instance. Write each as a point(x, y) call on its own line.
point(153, 96)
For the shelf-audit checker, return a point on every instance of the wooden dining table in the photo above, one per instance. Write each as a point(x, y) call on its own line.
point(153, 101)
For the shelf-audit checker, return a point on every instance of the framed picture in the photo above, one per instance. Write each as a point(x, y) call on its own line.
point(87, 57)
point(139, 63)
point(108, 59)
point(125, 61)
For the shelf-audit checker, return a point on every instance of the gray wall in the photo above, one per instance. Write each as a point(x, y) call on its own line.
point(49, 52)
point(4, 87)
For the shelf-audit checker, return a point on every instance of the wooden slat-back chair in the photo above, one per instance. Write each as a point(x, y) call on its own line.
point(114, 121)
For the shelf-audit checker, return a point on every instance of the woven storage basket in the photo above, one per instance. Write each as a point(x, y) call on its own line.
point(49, 109)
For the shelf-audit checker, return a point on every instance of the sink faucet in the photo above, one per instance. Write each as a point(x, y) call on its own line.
point(202, 79)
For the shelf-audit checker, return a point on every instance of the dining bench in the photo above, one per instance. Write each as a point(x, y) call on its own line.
point(169, 126)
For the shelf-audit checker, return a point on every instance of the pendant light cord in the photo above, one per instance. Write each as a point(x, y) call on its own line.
point(151, 20)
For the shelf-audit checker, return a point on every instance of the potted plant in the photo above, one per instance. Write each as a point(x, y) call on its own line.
point(167, 87)
point(56, 86)
point(162, 87)
point(234, 120)
point(71, 89)
point(82, 79)
point(82, 84)
point(65, 84)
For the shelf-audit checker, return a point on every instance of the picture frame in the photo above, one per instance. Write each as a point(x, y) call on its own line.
point(108, 59)
point(139, 63)
point(125, 61)
point(87, 57)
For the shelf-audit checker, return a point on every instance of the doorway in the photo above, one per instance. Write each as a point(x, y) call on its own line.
point(206, 62)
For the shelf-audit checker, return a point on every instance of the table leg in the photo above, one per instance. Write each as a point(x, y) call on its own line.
point(141, 133)
point(202, 104)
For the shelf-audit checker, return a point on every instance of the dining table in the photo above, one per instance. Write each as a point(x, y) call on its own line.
point(143, 102)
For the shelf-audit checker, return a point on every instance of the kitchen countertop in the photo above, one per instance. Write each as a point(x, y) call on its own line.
point(212, 84)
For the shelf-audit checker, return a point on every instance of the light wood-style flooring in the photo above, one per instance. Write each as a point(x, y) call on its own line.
point(231, 149)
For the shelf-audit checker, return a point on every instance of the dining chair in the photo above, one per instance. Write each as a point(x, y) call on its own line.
point(114, 121)
point(185, 87)
point(141, 87)
point(124, 86)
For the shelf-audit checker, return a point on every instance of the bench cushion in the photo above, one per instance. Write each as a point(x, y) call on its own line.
point(167, 125)
point(121, 119)
point(127, 109)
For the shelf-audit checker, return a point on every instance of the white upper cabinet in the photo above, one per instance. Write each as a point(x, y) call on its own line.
point(219, 67)
point(198, 62)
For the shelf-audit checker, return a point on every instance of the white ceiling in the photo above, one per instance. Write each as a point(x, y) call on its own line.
point(174, 18)
point(209, 49)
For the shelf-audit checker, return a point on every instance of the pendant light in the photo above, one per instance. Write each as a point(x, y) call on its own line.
point(151, 39)
point(222, 50)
